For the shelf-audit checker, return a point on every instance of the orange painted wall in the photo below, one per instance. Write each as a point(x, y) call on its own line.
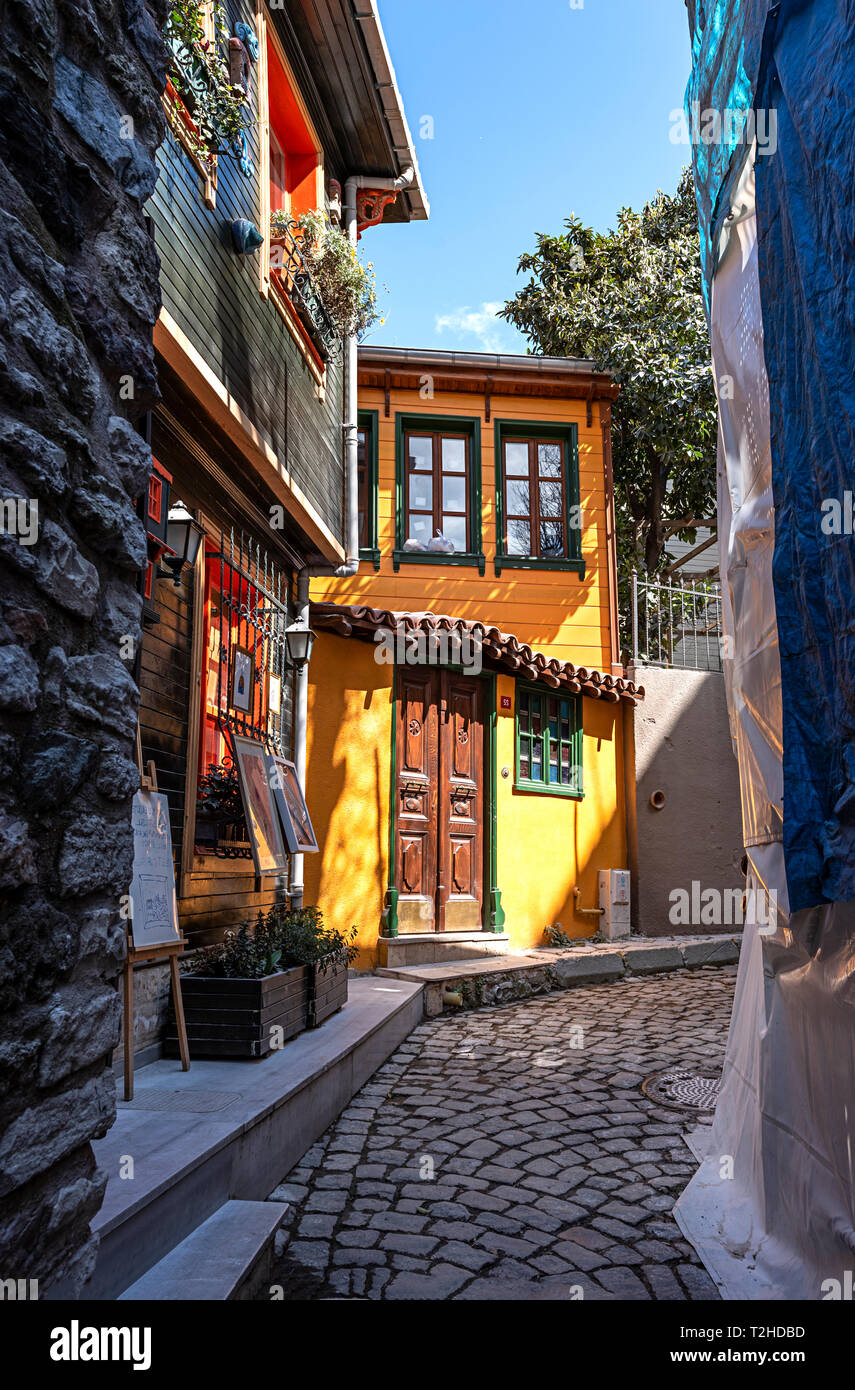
point(349, 749)
point(552, 610)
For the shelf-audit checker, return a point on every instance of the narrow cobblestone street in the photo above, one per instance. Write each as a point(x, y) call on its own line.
point(510, 1153)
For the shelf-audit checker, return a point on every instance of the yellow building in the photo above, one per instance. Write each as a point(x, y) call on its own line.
point(467, 706)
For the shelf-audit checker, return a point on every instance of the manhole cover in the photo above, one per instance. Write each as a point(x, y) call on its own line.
point(683, 1090)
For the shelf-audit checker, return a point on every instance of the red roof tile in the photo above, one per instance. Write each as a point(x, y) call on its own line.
point(501, 649)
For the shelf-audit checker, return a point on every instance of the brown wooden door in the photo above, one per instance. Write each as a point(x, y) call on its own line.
point(439, 849)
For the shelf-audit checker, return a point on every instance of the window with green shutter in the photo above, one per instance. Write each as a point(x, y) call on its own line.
point(549, 741)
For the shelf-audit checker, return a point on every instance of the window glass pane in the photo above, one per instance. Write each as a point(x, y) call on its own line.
point(454, 529)
point(518, 498)
point(421, 528)
point(551, 501)
point(537, 761)
point(525, 758)
point(536, 714)
point(549, 460)
point(421, 492)
point(551, 539)
point(565, 766)
point(553, 719)
point(278, 176)
point(362, 487)
point(454, 494)
point(553, 765)
point(519, 538)
point(516, 460)
point(420, 451)
point(454, 455)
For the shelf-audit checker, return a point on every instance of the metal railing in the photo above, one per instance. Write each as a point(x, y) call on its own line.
point(677, 623)
point(286, 258)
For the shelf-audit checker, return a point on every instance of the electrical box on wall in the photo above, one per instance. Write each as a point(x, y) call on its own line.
point(614, 902)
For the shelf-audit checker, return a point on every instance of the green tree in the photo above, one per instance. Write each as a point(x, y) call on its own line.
point(631, 300)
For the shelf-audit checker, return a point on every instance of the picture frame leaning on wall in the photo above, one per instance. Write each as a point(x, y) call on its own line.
point(269, 849)
point(291, 805)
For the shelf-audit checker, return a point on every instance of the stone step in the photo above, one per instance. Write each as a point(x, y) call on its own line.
point(228, 1257)
point(488, 979)
point(427, 948)
point(229, 1130)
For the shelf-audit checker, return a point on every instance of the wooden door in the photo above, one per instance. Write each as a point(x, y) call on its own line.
point(439, 842)
point(461, 804)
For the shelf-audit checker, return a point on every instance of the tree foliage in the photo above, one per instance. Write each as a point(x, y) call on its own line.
point(631, 300)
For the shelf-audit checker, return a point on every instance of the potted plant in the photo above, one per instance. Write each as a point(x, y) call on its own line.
point(241, 997)
point(325, 952)
point(209, 108)
point(326, 273)
point(220, 820)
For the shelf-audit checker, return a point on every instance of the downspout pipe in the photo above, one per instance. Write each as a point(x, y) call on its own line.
point(351, 510)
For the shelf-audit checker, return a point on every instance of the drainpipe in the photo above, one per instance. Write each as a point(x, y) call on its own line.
point(351, 510)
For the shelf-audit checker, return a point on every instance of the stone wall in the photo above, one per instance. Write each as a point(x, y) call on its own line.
point(683, 750)
point(80, 117)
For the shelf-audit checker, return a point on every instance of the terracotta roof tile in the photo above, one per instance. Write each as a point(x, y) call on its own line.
point(503, 649)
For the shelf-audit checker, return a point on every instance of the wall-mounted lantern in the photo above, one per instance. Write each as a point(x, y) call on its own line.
point(300, 641)
point(183, 537)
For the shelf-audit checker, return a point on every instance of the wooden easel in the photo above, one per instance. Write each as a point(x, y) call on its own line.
point(170, 952)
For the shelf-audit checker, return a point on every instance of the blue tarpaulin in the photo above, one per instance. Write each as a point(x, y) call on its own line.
point(796, 60)
point(778, 239)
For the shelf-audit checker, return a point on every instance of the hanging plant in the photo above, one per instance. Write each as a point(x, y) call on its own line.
point(346, 285)
point(201, 77)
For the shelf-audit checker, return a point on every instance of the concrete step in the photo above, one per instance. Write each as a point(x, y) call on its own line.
point(489, 979)
point(428, 948)
point(228, 1257)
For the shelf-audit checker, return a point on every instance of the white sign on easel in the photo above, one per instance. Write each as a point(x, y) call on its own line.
point(153, 902)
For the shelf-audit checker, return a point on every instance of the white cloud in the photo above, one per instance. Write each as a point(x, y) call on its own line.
point(492, 333)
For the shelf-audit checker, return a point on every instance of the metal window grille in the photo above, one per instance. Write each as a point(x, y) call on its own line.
point(253, 618)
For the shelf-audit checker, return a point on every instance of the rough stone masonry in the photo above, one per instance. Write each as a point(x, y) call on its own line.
point(80, 119)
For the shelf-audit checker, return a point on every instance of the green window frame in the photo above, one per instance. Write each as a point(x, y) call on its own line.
point(368, 471)
point(453, 427)
point(532, 432)
point(548, 730)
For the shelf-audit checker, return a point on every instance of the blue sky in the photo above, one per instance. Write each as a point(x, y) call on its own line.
point(540, 108)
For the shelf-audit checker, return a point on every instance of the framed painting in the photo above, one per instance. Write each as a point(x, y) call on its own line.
point(243, 680)
point(269, 850)
point(292, 808)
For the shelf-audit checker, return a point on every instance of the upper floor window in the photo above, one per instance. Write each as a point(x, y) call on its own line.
point(367, 486)
point(295, 153)
point(439, 512)
point(292, 184)
point(537, 481)
point(437, 491)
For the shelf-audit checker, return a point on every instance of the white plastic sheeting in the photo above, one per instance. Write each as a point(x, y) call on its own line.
point(771, 1209)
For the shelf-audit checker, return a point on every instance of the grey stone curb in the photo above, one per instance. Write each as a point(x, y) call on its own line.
point(550, 970)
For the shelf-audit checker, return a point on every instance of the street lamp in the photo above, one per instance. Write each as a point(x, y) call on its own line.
point(183, 536)
point(300, 641)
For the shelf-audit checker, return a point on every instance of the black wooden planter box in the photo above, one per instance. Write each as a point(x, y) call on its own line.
point(327, 990)
point(235, 1018)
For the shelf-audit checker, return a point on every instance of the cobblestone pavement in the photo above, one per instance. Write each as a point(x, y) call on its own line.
point(510, 1153)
